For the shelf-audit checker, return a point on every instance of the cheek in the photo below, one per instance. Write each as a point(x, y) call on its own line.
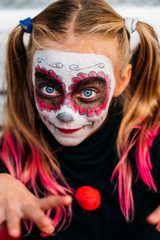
point(98, 119)
point(48, 104)
point(94, 109)
point(45, 114)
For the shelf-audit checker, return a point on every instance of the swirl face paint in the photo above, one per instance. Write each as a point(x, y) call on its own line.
point(72, 93)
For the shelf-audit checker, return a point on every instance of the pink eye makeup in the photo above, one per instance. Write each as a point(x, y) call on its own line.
point(72, 92)
point(48, 91)
point(89, 93)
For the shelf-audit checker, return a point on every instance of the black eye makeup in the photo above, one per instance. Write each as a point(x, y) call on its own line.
point(48, 89)
point(90, 92)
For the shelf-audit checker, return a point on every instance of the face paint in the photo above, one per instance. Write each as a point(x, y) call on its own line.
point(72, 93)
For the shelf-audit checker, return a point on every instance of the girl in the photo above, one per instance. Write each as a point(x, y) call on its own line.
point(82, 119)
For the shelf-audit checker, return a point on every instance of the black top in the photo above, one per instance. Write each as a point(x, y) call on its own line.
point(92, 163)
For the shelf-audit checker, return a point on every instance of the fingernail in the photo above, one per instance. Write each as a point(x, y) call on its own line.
point(51, 228)
point(68, 198)
point(48, 230)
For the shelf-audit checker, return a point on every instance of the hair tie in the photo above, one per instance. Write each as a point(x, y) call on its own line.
point(26, 24)
point(131, 24)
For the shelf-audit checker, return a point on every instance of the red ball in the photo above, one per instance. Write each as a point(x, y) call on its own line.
point(88, 198)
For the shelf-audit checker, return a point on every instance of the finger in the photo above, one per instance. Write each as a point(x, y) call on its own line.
point(2, 216)
point(54, 201)
point(13, 223)
point(35, 214)
point(154, 217)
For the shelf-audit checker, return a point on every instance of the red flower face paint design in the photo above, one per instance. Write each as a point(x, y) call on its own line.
point(96, 84)
point(44, 78)
point(81, 77)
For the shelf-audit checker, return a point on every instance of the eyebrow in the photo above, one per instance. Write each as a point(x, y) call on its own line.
point(90, 80)
point(47, 77)
point(44, 72)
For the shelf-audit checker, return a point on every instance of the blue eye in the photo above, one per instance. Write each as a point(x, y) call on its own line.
point(87, 93)
point(49, 89)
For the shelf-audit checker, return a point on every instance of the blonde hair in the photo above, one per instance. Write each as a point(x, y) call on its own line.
point(23, 137)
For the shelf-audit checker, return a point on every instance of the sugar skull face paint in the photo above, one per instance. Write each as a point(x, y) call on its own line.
point(72, 93)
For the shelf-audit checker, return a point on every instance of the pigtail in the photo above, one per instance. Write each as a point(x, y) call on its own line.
point(145, 81)
point(18, 91)
point(24, 150)
point(141, 119)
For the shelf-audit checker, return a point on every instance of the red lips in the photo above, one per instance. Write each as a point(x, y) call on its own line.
point(68, 131)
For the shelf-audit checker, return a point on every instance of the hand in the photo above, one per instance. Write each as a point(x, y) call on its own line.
point(154, 218)
point(17, 202)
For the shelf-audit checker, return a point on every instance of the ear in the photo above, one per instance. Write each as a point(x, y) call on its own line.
point(124, 81)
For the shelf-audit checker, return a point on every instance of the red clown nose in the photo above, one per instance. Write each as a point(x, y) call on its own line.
point(88, 198)
point(4, 234)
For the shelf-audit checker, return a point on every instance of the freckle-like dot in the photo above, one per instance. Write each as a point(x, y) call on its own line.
point(107, 98)
point(69, 96)
point(106, 77)
point(82, 76)
point(101, 74)
point(58, 106)
point(70, 103)
point(104, 105)
point(98, 111)
point(48, 107)
point(92, 74)
point(72, 87)
point(52, 74)
point(76, 108)
point(38, 69)
point(54, 108)
point(63, 86)
point(75, 80)
point(43, 70)
point(58, 79)
point(82, 111)
point(41, 104)
point(62, 101)
point(90, 112)
point(108, 90)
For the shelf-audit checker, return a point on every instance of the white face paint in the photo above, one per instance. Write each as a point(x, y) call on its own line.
point(72, 93)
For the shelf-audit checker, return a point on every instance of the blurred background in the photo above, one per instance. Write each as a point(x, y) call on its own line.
point(9, 4)
point(11, 11)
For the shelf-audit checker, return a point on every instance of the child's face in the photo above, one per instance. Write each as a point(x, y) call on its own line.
point(72, 93)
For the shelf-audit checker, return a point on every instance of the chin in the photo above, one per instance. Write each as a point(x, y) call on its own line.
point(69, 142)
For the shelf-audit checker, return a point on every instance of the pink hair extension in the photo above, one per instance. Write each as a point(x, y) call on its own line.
point(124, 181)
point(124, 171)
point(143, 160)
point(11, 155)
point(35, 167)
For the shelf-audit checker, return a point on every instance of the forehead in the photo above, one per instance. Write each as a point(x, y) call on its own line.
point(72, 63)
